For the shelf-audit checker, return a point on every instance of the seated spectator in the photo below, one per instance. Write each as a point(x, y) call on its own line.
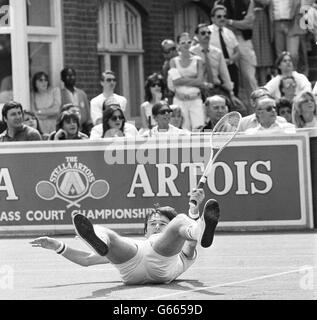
point(265, 111)
point(304, 112)
point(162, 114)
point(12, 115)
point(251, 120)
point(45, 101)
point(108, 83)
point(287, 88)
point(216, 107)
point(113, 125)
point(71, 94)
point(177, 118)
point(284, 109)
point(67, 127)
point(31, 120)
point(284, 64)
point(154, 92)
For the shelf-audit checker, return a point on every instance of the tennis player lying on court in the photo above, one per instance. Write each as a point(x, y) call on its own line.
point(168, 251)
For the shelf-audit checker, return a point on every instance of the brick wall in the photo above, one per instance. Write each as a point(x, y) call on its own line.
point(80, 42)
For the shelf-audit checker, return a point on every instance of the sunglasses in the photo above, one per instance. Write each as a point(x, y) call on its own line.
point(111, 79)
point(166, 111)
point(220, 16)
point(203, 33)
point(186, 42)
point(115, 118)
point(155, 84)
point(268, 109)
point(167, 51)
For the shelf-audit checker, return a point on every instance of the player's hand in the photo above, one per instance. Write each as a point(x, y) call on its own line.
point(46, 243)
point(197, 195)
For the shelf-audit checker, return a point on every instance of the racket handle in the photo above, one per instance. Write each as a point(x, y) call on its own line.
point(201, 184)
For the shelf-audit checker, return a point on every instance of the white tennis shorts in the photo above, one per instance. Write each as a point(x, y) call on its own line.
point(147, 266)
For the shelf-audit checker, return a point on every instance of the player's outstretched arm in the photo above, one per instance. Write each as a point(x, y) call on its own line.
point(80, 257)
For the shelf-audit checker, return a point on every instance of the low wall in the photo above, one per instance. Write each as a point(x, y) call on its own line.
point(261, 183)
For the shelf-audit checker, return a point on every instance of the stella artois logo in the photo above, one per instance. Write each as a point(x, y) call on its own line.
point(72, 182)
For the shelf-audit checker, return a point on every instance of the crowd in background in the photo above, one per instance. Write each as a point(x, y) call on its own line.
point(251, 58)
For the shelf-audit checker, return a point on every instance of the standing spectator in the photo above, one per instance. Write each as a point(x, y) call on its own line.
point(31, 120)
point(240, 18)
point(113, 125)
point(304, 112)
point(286, 27)
point(67, 127)
point(262, 38)
point(186, 78)
point(169, 51)
point(284, 109)
point(265, 112)
point(288, 88)
point(45, 101)
point(154, 92)
point(12, 115)
point(108, 82)
point(71, 94)
point(285, 66)
point(224, 39)
point(216, 74)
point(216, 107)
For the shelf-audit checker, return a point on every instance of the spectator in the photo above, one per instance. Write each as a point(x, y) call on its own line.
point(12, 115)
point(71, 94)
point(31, 120)
point(2, 126)
point(251, 120)
point(286, 29)
point(262, 39)
point(304, 113)
point(224, 39)
point(45, 101)
point(315, 91)
point(216, 74)
point(186, 78)
point(113, 125)
point(162, 114)
point(177, 118)
point(67, 127)
point(288, 87)
point(284, 109)
point(154, 92)
point(265, 111)
point(108, 82)
point(240, 18)
point(216, 107)
point(285, 66)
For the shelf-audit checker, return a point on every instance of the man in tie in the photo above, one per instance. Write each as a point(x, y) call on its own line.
point(224, 39)
point(217, 76)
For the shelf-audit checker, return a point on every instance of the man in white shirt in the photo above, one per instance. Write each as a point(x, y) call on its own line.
point(108, 82)
point(224, 39)
point(265, 112)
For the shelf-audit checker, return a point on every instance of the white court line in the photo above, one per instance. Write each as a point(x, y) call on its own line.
point(229, 283)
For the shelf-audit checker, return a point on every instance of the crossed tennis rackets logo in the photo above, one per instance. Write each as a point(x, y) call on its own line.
point(72, 182)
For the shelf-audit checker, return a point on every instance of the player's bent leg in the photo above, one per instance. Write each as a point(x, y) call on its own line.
point(104, 241)
point(170, 242)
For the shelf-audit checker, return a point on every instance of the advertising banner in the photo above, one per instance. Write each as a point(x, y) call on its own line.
point(259, 182)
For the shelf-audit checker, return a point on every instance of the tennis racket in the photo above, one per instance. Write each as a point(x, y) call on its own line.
point(223, 132)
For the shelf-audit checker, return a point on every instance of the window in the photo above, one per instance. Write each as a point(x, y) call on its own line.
point(30, 41)
point(120, 49)
point(188, 17)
